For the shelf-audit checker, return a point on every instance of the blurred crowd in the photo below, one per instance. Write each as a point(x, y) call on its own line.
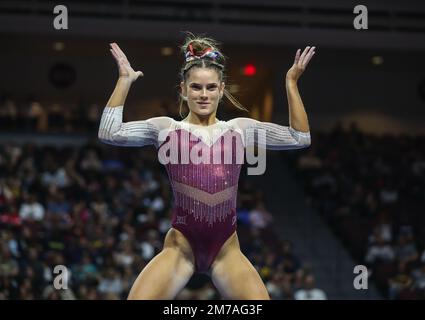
point(102, 212)
point(371, 190)
point(33, 115)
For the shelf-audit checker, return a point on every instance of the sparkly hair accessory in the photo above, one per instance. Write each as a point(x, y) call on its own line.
point(190, 54)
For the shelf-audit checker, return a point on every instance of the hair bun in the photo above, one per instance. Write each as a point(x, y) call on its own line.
point(195, 50)
point(199, 50)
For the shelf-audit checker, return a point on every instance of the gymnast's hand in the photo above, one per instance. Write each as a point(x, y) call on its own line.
point(124, 68)
point(300, 63)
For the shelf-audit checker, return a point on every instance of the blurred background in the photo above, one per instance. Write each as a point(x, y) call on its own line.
point(355, 197)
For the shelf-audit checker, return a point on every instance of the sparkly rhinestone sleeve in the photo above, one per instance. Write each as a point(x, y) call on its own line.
point(134, 133)
point(275, 137)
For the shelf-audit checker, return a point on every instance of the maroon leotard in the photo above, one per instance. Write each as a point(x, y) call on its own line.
point(204, 186)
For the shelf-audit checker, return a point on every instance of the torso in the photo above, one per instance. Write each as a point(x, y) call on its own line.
point(204, 217)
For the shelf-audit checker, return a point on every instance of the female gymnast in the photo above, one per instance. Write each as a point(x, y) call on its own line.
point(203, 236)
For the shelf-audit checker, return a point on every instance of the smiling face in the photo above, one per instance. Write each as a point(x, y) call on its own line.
point(203, 89)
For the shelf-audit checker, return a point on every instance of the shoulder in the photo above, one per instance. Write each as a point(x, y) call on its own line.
point(241, 123)
point(161, 123)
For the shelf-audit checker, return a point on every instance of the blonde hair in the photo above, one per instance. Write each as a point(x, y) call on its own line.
point(203, 52)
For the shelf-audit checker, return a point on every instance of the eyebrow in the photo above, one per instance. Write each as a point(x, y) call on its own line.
point(198, 84)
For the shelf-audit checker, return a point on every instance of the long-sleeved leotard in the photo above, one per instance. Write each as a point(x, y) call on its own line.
point(204, 190)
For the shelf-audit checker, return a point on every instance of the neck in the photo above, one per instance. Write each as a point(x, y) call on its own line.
point(193, 118)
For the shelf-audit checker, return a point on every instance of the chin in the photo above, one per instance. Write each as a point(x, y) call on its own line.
point(204, 112)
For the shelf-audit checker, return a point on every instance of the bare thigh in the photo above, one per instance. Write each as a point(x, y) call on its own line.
point(163, 277)
point(236, 278)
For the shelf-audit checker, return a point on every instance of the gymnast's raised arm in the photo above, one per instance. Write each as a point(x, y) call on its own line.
point(135, 133)
point(277, 137)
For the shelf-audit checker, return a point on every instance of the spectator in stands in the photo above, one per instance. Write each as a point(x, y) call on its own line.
point(110, 283)
point(405, 250)
point(418, 276)
point(53, 174)
point(31, 209)
point(383, 228)
point(90, 161)
point(274, 287)
point(259, 217)
point(37, 117)
point(8, 114)
point(310, 292)
point(401, 285)
point(8, 265)
point(380, 251)
point(290, 262)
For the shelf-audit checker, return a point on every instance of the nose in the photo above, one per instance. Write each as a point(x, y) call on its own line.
point(204, 94)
